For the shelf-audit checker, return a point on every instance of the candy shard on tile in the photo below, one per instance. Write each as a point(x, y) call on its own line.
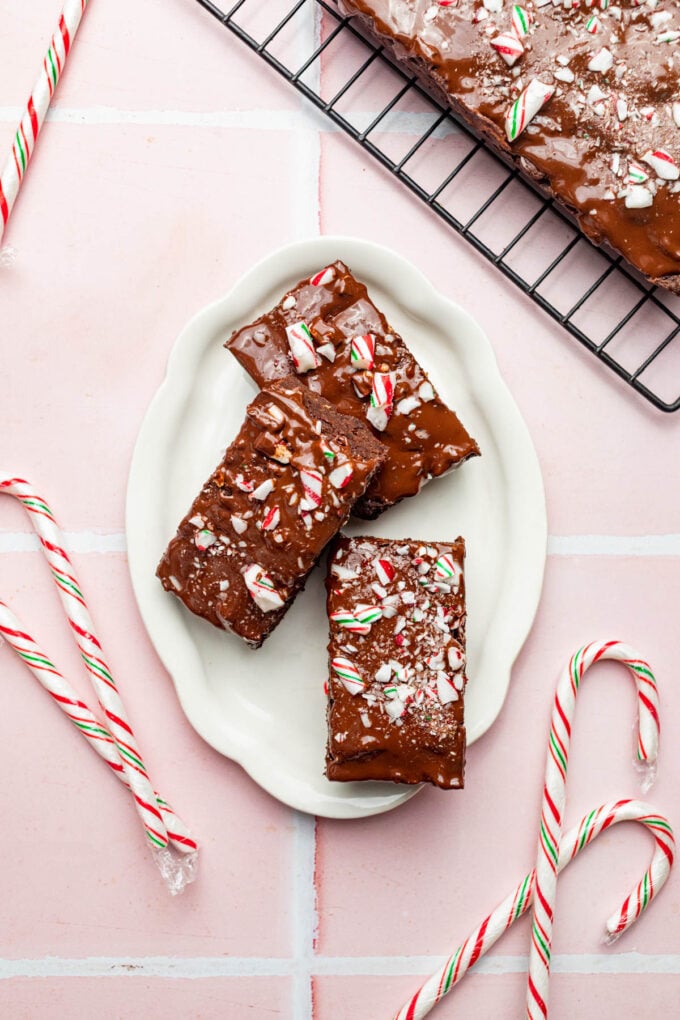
point(366, 370)
point(408, 668)
point(244, 550)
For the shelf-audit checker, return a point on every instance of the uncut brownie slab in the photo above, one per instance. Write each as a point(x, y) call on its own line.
point(396, 612)
point(283, 489)
point(581, 96)
point(328, 331)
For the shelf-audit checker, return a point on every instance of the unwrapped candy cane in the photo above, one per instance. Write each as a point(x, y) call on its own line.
point(114, 739)
point(517, 903)
point(554, 794)
point(556, 851)
point(38, 103)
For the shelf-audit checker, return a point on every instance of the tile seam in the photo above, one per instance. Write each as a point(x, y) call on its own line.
point(306, 117)
point(196, 968)
point(304, 914)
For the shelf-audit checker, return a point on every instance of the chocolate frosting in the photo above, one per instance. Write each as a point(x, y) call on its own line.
point(395, 701)
point(589, 141)
point(283, 489)
point(422, 437)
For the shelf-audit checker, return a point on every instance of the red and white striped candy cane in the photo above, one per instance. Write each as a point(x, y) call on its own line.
point(97, 734)
point(37, 106)
point(517, 903)
point(114, 740)
point(554, 794)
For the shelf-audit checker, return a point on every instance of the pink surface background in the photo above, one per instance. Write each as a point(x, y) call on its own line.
point(171, 162)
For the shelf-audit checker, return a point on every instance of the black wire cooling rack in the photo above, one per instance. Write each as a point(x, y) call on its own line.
point(596, 296)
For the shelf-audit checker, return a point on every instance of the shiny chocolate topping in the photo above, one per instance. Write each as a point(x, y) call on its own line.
point(601, 123)
point(329, 331)
point(397, 661)
point(284, 488)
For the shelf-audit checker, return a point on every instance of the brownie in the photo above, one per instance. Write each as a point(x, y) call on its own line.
point(397, 661)
point(284, 488)
point(583, 97)
point(328, 330)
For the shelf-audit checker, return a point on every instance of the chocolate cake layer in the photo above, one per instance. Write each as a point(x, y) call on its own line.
point(397, 661)
point(283, 489)
point(328, 330)
point(583, 96)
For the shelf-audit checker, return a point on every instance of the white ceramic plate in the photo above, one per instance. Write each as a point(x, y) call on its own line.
point(266, 708)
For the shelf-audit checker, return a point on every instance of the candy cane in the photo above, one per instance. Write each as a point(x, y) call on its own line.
point(517, 903)
point(97, 734)
point(554, 794)
point(114, 741)
point(38, 103)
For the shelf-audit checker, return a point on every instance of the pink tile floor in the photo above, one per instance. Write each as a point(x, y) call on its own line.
point(173, 161)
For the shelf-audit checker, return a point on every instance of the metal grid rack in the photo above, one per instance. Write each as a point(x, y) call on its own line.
point(594, 295)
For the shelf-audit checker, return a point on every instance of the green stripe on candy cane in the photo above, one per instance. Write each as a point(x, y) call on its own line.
point(121, 753)
point(554, 796)
point(517, 903)
point(96, 667)
point(53, 68)
point(520, 21)
point(37, 504)
point(19, 146)
point(132, 758)
point(67, 584)
point(39, 661)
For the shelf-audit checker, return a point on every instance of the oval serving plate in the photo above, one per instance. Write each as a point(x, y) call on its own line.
point(266, 708)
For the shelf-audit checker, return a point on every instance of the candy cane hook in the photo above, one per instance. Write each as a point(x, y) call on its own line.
point(517, 903)
point(554, 794)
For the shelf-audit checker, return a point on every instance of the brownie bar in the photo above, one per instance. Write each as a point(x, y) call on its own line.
point(397, 661)
point(598, 128)
point(328, 330)
point(284, 488)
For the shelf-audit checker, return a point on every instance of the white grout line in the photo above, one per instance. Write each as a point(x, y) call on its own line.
point(304, 186)
point(256, 120)
point(190, 968)
point(305, 919)
point(307, 118)
point(196, 968)
point(74, 541)
point(614, 545)
point(305, 182)
point(576, 963)
point(558, 545)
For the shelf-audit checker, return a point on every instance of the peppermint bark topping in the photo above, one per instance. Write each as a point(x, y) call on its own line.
point(404, 654)
point(614, 94)
point(302, 350)
point(261, 589)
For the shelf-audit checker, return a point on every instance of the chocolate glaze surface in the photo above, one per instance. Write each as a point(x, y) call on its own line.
point(588, 143)
point(397, 661)
point(422, 437)
point(283, 489)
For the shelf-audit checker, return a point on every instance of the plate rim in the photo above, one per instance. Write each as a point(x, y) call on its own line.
point(490, 390)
